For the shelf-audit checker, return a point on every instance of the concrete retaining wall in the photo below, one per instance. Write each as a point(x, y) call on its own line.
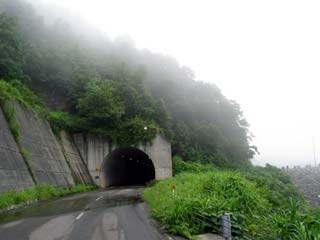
point(76, 159)
point(78, 168)
point(13, 169)
point(47, 160)
point(159, 151)
point(94, 151)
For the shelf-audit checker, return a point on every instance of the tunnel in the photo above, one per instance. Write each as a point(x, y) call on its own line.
point(128, 166)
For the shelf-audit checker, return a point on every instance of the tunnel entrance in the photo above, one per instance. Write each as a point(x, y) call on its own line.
point(128, 166)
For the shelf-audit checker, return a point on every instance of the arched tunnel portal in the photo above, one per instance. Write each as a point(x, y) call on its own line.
point(127, 166)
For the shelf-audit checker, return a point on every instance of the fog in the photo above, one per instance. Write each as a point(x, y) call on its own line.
point(264, 55)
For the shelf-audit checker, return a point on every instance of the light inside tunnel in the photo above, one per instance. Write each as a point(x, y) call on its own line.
point(128, 166)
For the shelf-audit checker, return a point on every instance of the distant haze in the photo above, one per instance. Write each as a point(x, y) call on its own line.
point(263, 54)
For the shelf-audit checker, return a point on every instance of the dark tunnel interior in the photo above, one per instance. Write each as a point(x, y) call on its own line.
point(128, 166)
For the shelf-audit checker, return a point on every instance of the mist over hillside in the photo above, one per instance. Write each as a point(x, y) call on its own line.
point(93, 84)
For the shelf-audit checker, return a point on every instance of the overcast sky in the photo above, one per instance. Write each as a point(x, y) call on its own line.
point(263, 54)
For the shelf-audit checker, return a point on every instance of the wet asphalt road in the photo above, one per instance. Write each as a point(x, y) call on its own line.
point(117, 214)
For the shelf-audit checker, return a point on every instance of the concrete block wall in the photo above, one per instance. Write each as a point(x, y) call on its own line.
point(93, 150)
point(159, 151)
point(78, 168)
point(14, 173)
point(47, 160)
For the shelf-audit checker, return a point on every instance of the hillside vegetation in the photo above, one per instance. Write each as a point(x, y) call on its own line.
point(110, 88)
point(81, 81)
point(263, 203)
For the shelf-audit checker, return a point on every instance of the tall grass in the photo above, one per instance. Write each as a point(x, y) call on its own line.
point(263, 203)
point(292, 224)
point(199, 200)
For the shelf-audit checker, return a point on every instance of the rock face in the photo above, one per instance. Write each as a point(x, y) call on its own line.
point(13, 169)
point(46, 157)
point(308, 181)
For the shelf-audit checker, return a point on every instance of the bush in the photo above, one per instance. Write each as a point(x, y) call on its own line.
point(59, 121)
point(201, 199)
point(262, 201)
point(17, 91)
point(277, 185)
point(292, 224)
point(181, 166)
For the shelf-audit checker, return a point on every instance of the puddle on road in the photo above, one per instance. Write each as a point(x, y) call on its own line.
point(65, 205)
point(109, 203)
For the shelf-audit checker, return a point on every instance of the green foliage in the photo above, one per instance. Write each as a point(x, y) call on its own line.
point(291, 224)
point(10, 48)
point(25, 96)
point(60, 121)
point(201, 198)
point(277, 184)
point(101, 106)
point(101, 110)
point(203, 193)
point(9, 112)
point(179, 166)
point(135, 130)
point(40, 192)
point(9, 93)
point(15, 90)
point(112, 88)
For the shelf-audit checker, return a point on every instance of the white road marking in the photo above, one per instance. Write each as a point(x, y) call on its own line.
point(79, 216)
point(99, 198)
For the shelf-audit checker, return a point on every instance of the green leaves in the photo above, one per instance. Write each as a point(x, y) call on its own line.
point(107, 112)
point(113, 89)
point(101, 106)
point(203, 194)
point(10, 49)
point(136, 130)
point(292, 224)
point(201, 198)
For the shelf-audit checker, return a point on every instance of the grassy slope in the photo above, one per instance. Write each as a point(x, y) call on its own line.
point(262, 201)
point(40, 192)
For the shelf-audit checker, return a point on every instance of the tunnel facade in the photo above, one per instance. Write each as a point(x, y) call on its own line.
point(106, 167)
point(127, 166)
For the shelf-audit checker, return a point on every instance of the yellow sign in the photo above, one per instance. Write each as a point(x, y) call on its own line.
point(98, 170)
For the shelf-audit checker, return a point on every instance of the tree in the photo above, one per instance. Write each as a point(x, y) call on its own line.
point(114, 89)
point(11, 59)
point(101, 106)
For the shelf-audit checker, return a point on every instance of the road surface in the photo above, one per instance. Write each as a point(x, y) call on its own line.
point(117, 214)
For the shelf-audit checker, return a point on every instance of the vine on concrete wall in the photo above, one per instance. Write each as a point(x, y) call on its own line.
point(8, 94)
